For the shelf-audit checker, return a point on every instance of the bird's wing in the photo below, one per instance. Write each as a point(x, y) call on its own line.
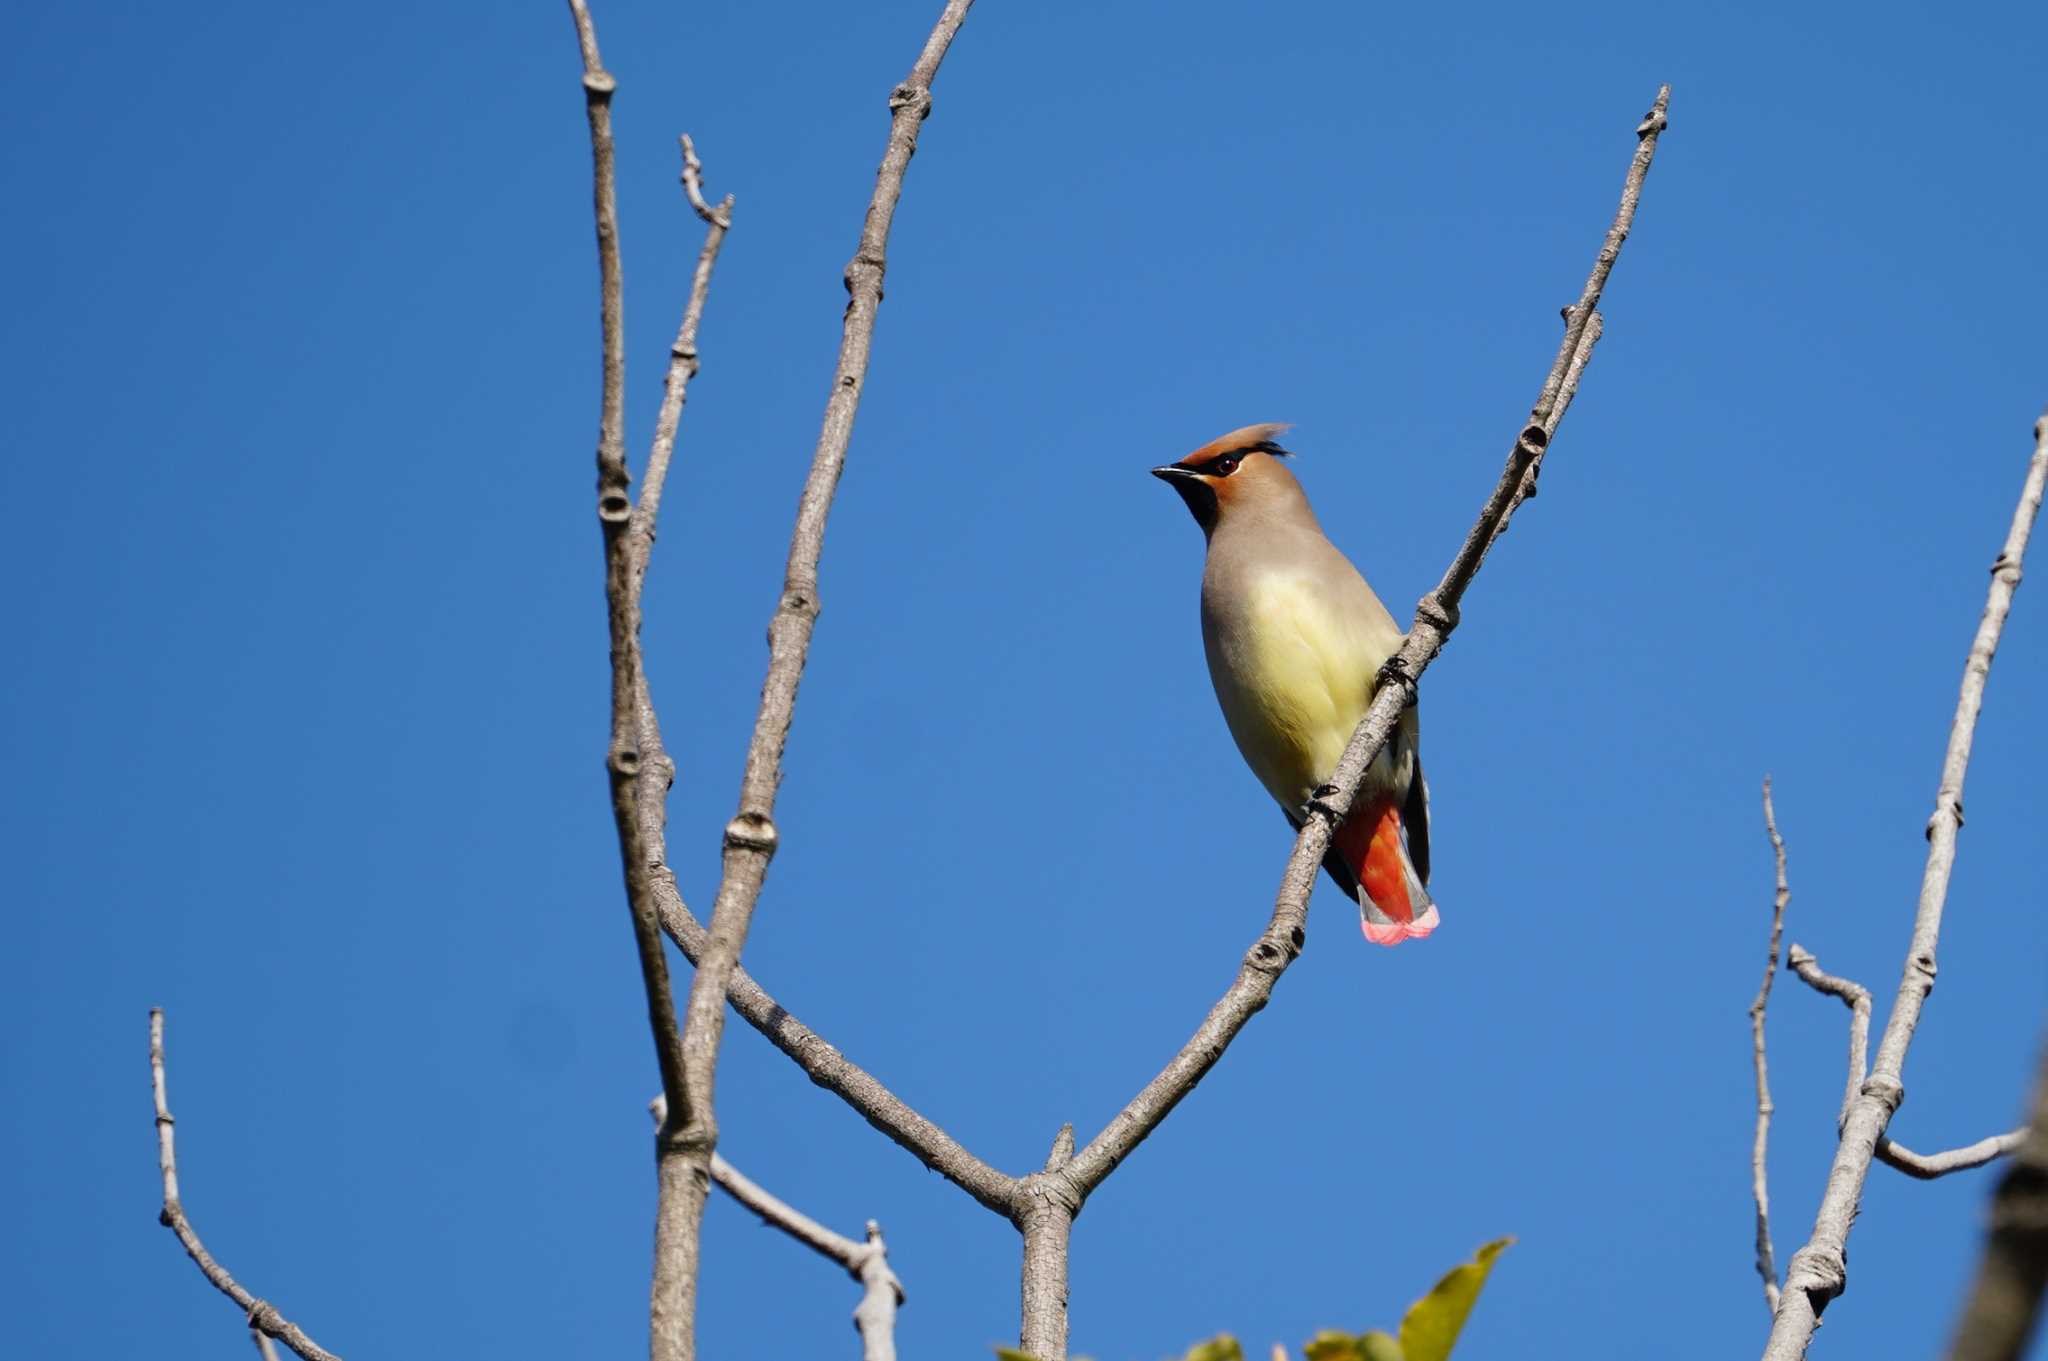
point(1415, 809)
point(1333, 862)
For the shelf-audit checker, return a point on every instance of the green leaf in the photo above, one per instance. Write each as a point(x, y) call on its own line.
point(1434, 1321)
point(1379, 1346)
point(1012, 1354)
point(1222, 1347)
point(1330, 1345)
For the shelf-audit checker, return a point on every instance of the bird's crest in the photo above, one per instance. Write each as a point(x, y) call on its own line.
point(1252, 439)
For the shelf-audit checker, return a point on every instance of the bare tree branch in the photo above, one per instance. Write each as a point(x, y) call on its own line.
point(2005, 1299)
point(264, 1320)
point(1567, 389)
point(639, 767)
point(1928, 1166)
point(1819, 1271)
point(683, 363)
point(263, 1347)
point(1435, 617)
point(838, 1074)
point(792, 1221)
point(1766, 1261)
point(1854, 996)
point(1925, 1166)
point(867, 1262)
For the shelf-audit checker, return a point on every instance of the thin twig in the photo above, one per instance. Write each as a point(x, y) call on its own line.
point(1854, 996)
point(683, 364)
point(2004, 1303)
point(1819, 1271)
point(263, 1347)
point(867, 1262)
point(792, 1221)
point(1435, 617)
point(1928, 1166)
point(1766, 1261)
point(263, 1318)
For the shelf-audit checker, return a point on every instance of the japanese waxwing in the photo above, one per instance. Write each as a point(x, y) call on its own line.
point(1295, 641)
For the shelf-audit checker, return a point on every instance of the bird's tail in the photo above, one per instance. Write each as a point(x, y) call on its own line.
point(1393, 906)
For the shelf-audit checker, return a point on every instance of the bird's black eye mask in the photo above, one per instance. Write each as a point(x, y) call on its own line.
point(1223, 465)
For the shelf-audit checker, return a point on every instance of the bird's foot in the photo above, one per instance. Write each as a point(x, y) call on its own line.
point(1317, 804)
point(1393, 671)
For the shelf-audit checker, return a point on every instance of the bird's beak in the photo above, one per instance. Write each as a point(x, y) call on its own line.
point(1173, 472)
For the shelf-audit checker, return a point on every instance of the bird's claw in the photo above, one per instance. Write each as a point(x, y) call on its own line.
point(1316, 804)
point(1393, 671)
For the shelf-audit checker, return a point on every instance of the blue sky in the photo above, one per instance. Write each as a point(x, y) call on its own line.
point(307, 717)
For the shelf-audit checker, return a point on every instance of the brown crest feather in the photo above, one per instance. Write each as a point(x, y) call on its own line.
point(1249, 439)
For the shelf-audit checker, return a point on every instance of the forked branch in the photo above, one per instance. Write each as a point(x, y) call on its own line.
point(1924, 1166)
point(639, 768)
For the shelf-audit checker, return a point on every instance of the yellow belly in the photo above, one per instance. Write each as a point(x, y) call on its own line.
point(1294, 679)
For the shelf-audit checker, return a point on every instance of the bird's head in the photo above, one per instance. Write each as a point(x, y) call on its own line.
point(1234, 477)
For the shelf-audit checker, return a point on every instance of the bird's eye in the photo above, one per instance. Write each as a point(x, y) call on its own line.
point(1226, 465)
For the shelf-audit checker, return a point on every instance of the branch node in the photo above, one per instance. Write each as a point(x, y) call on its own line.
point(800, 602)
point(1048, 1192)
point(751, 832)
point(910, 94)
point(600, 84)
point(1439, 613)
point(1885, 1088)
point(1819, 1269)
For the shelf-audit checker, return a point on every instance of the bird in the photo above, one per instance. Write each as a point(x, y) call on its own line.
point(1295, 641)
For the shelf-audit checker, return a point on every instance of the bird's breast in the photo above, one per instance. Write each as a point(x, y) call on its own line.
point(1293, 669)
